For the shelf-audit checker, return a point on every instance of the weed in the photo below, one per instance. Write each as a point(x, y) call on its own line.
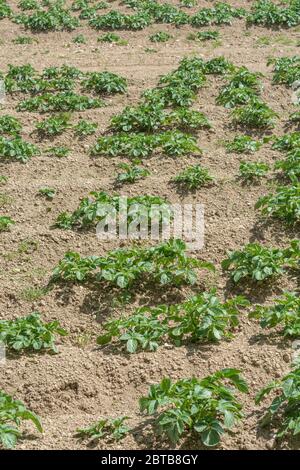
point(61, 102)
point(79, 39)
point(5, 223)
point(49, 193)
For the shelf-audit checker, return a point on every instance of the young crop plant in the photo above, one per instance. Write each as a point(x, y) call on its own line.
point(56, 18)
point(16, 148)
point(243, 144)
point(112, 38)
point(95, 208)
point(79, 39)
point(188, 3)
point(260, 263)
point(243, 87)
point(284, 411)
point(165, 264)
point(3, 179)
point(284, 204)
point(171, 143)
point(30, 333)
point(200, 318)
point(59, 152)
point(84, 128)
point(253, 171)
point(60, 102)
point(113, 429)
point(287, 142)
point(160, 36)
point(5, 223)
point(105, 82)
point(220, 13)
point(5, 10)
point(285, 312)
point(256, 114)
point(10, 125)
point(141, 118)
point(295, 117)
point(54, 125)
point(204, 36)
point(12, 413)
point(285, 69)
point(267, 13)
point(131, 173)
point(290, 165)
point(187, 119)
point(193, 177)
point(48, 193)
point(28, 5)
point(115, 20)
point(206, 407)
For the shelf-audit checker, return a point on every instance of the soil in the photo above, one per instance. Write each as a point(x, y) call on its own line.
point(83, 382)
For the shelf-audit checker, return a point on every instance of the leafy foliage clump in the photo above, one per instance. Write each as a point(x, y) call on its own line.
point(5, 223)
point(259, 263)
point(61, 102)
point(105, 82)
point(53, 125)
point(220, 13)
point(84, 128)
point(286, 69)
point(284, 312)
point(193, 177)
point(255, 114)
point(9, 125)
point(284, 411)
point(243, 144)
point(267, 13)
point(30, 333)
point(290, 165)
point(253, 171)
point(12, 413)
point(95, 208)
point(131, 172)
point(5, 10)
point(201, 318)
point(160, 36)
point(16, 148)
point(113, 429)
point(56, 18)
point(243, 87)
point(284, 204)
point(207, 407)
point(166, 263)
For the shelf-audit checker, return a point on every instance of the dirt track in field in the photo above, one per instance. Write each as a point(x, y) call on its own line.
point(82, 383)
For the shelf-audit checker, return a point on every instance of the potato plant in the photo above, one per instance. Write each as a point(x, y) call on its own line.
point(284, 312)
point(10, 125)
point(30, 333)
point(48, 193)
point(60, 102)
point(220, 13)
point(243, 144)
point(260, 263)
point(284, 204)
point(285, 69)
point(201, 318)
point(290, 166)
point(112, 38)
point(287, 142)
point(113, 429)
point(105, 82)
point(15, 148)
point(131, 173)
point(58, 151)
point(165, 263)
point(12, 413)
point(160, 36)
point(95, 208)
point(205, 407)
point(254, 114)
point(284, 411)
point(54, 125)
point(253, 171)
point(5, 10)
point(267, 13)
point(193, 177)
point(204, 36)
point(55, 18)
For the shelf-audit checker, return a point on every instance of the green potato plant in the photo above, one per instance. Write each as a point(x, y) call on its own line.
point(114, 429)
point(193, 177)
point(5, 223)
point(205, 407)
point(284, 204)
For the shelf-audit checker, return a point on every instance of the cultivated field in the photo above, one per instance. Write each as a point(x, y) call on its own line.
point(189, 119)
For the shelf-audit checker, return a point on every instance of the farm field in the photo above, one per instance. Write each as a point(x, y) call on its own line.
point(224, 106)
